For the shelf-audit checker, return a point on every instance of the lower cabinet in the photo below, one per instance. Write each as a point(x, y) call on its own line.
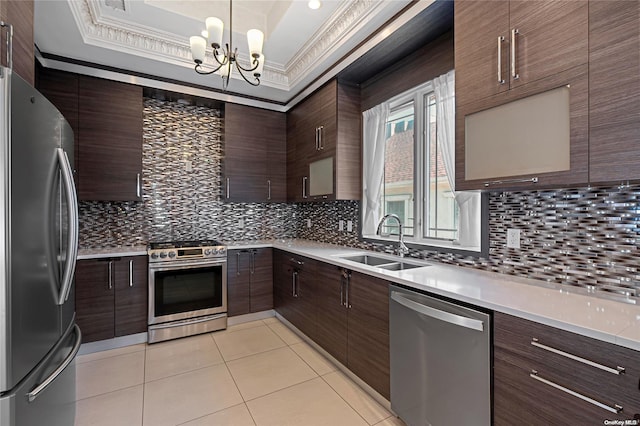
point(249, 281)
point(111, 297)
point(345, 312)
point(543, 375)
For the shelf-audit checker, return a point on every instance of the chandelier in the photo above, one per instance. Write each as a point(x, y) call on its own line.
point(227, 58)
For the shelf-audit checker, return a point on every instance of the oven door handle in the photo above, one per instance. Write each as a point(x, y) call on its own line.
point(185, 265)
point(182, 323)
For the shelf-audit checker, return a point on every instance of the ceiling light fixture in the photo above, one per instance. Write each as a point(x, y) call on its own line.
point(225, 58)
point(314, 4)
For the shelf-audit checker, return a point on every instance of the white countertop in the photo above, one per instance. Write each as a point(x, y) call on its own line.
point(602, 319)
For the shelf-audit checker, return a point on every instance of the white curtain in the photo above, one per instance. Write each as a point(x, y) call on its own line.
point(468, 202)
point(373, 135)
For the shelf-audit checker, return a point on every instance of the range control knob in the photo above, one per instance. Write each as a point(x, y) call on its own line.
point(163, 255)
point(207, 252)
point(172, 254)
point(220, 251)
point(154, 255)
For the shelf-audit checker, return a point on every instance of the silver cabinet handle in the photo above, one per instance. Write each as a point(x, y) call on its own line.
point(269, 190)
point(110, 274)
point(342, 284)
point(320, 137)
point(615, 409)
point(9, 28)
point(130, 273)
point(514, 73)
point(500, 182)
point(317, 139)
point(228, 190)
point(500, 79)
point(138, 186)
point(304, 187)
point(31, 396)
point(295, 283)
point(238, 263)
point(72, 236)
point(455, 319)
point(618, 370)
point(347, 280)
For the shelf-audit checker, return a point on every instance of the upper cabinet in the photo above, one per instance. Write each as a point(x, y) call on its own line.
point(19, 13)
point(614, 90)
point(254, 154)
point(501, 45)
point(323, 145)
point(514, 51)
point(106, 118)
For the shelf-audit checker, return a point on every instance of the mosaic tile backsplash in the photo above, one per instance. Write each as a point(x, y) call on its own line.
point(179, 204)
point(585, 237)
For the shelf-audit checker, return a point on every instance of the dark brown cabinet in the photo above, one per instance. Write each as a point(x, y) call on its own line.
point(506, 44)
point(294, 288)
point(614, 91)
point(111, 297)
point(106, 118)
point(543, 375)
point(350, 311)
point(249, 281)
point(325, 126)
point(110, 140)
point(254, 154)
point(19, 13)
point(508, 51)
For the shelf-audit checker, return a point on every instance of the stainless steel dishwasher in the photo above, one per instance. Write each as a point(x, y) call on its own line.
point(440, 361)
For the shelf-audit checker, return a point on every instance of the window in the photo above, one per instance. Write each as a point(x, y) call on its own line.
point(406, 172)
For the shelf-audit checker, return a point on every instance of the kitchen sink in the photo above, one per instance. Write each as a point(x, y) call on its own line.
point(368, 260)
point(382, 262)
point(400, 266)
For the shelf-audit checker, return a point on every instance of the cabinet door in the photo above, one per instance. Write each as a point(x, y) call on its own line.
point(305, 296)
point(276, 157)
point(324, 118)
point(331, 312)
point(132, 288)
point(245, 148)
point(552, 37)
point(368, 331)
point(95, 299)
point(19, 13)
point(477, 26)
point(282, 288)
point(614, 91)
point(261, 280)
point(238, 282)
point(110, 140)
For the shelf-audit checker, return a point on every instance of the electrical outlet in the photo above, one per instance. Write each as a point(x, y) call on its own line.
point(513, 238)
point(188, 165)
point(308, 223)
point(241, 223)
point(349, 226)
point(341, 225)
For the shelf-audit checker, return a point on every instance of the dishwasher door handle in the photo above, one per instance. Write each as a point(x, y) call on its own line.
point(459, 320)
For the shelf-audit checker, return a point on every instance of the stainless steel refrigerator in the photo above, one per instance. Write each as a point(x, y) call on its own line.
point(38, 247)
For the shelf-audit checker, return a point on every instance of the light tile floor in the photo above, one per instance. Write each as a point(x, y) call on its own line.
point(256, 373)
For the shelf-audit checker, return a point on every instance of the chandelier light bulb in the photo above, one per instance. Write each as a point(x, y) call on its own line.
point(198, 46)
point(255, 39)
point(214, 29)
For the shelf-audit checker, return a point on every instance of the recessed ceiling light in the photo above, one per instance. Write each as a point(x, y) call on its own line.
point(314, 4)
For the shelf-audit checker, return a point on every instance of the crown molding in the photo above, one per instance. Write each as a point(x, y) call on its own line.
point(120, 34)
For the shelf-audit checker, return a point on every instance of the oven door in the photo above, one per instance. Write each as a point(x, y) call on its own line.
point(187, 289)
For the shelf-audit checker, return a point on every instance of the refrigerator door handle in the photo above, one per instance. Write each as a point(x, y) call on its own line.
point(31, 396)
point(72, 204)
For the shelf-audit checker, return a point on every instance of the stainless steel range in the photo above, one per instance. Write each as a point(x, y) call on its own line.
point(187, 288)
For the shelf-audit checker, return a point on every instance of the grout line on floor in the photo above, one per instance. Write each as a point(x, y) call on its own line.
point(109, 392)
point(347, 402)
point(281, 389)
point(184, 372)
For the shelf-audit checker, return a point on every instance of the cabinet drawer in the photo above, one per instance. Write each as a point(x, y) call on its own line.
point(523, 400)
point(592, 367)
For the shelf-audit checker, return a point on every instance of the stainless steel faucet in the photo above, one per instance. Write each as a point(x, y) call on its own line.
point(402, 248)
